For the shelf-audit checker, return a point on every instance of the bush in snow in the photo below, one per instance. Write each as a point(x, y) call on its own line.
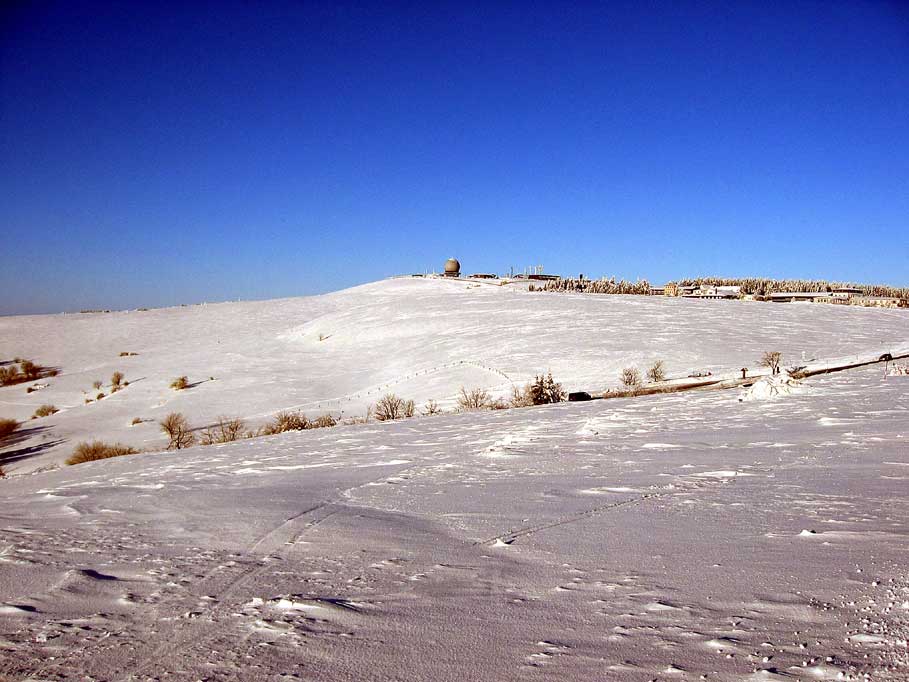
point(7, 426)
point(630, 377)
point(176, 428)
point(179, 383)
point(89, 452)
point(323, 421)
point(474, 399)
point(116, 379)
point(545, 390)
point(390, 407)
point(286, 421)
point(27, 371)
point(45, 411)
point(656, 372)
point(430, 408)
point(225, 430)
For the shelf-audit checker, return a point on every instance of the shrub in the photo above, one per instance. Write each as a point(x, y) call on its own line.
point(226, 430)
point(45, 411)
point(7, 426)
point(545, 390)
point(88, 400)
point(177, 430)
point(656, 372)
point(797, 372)
point(126, 353)
point(99, 396)
point(30, 389)
point(630, 377)
point(97, 384)
point(771, 359)
point(89, 452)
point(323, 421)
point(136, 420)
point(9, 375)
point(474, 399)
point(179, 383)
point(409, 408)
point(390, 407)
point(286, 421)
point(520, 397)
point(116, 379)
point(431, 407)
point(2, 472)
point(29, 369)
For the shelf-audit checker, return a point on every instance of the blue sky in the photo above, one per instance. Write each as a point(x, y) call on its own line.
point(159, 153)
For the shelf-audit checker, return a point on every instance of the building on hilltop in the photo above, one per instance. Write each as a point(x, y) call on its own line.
point(452, 268)
point(877, 301)
point(716, 292)
point(796, 296)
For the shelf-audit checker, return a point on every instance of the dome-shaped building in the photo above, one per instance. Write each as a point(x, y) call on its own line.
point(452, 268)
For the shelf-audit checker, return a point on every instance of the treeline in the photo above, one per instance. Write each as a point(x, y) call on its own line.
point(762, 286)
point(595, 286)
point(755, 286)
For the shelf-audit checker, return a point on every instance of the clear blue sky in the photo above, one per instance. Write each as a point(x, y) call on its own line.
point(158, 153)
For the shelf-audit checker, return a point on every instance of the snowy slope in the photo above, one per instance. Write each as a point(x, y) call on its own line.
point(417, 337)
point(673, 537)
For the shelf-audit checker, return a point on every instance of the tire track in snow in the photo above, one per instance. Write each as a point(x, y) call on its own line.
point(270, 544)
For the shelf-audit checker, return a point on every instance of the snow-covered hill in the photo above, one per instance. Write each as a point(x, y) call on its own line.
point(420, 338)
point(682, 536)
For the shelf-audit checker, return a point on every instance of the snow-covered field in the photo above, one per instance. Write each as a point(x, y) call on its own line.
point(420, 338)
point(672, 537)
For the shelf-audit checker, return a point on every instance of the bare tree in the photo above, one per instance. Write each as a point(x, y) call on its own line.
point(521, 397)
point(431, 407)
point(177, 430)
point(225, 430)
point(474, 399)
point(389, 407)
point(656, 372)
point(630, 377)
point(771, 359)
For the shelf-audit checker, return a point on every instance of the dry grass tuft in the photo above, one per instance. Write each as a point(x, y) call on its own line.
point(45, 411)
point(89, 452)
point(323, 421)
point(8, 426)
point(179, 383)
point(286, 421)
